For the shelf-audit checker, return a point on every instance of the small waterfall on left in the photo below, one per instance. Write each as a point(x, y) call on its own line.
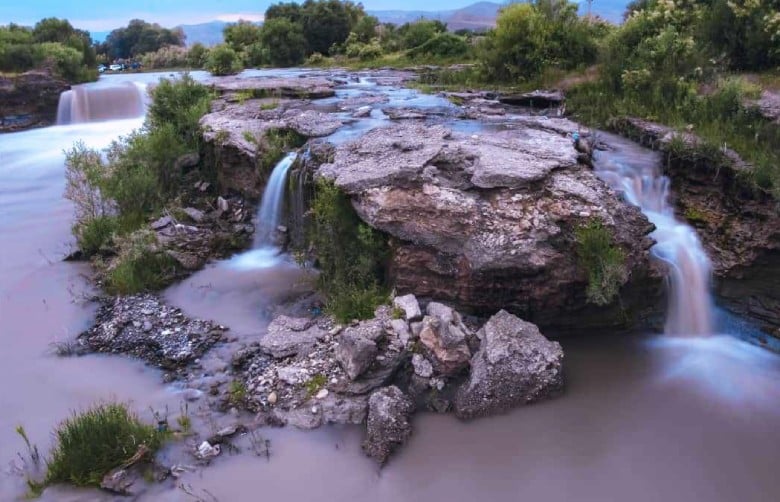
point(94, 103)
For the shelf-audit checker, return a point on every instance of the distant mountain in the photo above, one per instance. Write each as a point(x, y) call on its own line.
point(207, 34)
point(478, 16)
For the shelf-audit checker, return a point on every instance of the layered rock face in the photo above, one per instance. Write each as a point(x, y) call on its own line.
point(29, 100)
point(738, 224)
point(488, 222)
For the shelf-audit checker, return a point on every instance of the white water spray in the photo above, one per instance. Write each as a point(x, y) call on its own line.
point(635, 172)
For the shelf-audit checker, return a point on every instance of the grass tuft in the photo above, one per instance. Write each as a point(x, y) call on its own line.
point(92, 443)
point(603, 261)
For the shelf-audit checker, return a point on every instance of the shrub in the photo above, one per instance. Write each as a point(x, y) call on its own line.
point(96, 234)
point(285, 40)
point(180, 103)
point(196, 57)
point(140, 266)
point(370, 51)
point(315, 59)
point(223, 60)
point(442, 45)
point(350, 254)
point(92, 443)
point(170, 56)
point(602, 260)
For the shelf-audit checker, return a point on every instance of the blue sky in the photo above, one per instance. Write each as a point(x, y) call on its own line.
point(103, 15)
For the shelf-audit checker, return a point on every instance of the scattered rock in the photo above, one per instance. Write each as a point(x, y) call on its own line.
point(422, 367)
point(444, 335)
point(222, 204)
point(355, 353)
point(207, 451)
point(515, 365)
point(410, 307)
point(196, 214)
point(388, 424)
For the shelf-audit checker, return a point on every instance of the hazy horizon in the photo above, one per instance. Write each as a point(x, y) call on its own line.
point(99, 16)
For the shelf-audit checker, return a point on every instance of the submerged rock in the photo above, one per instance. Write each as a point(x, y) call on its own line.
point(515, 365)
point(388, 424)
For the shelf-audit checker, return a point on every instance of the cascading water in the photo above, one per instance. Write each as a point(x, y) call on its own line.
point(94, 103)
point(635, 172)
point(265, 252)
point(270, 213)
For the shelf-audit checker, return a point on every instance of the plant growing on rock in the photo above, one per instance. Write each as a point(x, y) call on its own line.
point(603, 261)
point(351, 255)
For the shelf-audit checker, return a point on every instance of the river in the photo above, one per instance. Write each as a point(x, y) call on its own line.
point(645, 417)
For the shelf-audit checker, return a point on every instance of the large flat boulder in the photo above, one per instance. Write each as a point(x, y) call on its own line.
point(488, 221)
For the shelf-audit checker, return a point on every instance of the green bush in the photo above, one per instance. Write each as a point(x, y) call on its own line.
point(223, 60)
point(92, 443)
point(603, 261)
point(442, 45)
point(285, 40)
point(140, 266)
point(350, 254)
point(180, 103)
point(96, 234)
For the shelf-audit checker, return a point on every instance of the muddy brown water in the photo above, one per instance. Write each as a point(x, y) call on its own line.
point(644, 418)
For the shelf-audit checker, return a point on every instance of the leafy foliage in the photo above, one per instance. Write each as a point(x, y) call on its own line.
point(140, 266)
point(603, 261)
point(351, 255)
point(285, 40)
point(138, 38)
point(223, 60)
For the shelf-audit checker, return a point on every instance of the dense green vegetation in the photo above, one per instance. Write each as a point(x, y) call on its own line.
point(51, 43)
point(602, 260)
point(138, 38)
point(92, 443)
point(669, 64)
point(350, 254)
point(117, 193)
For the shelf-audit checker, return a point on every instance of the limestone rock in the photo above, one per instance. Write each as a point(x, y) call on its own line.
point(388, 425)
point(410, 307)
point(444, 335)
point(489, 221)
point(288, 336)
point(515, 365)
point(355, 353)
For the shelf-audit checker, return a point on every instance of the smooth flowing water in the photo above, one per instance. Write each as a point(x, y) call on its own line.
point(90, 103)
point(269, 216)
point(644, 418)
point(636, 173)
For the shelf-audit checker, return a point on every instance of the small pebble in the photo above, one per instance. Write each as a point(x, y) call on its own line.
point(272, 398)
point(322, 394)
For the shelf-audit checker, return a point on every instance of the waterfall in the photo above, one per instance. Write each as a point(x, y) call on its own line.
point(635, 172)
point(269, 214)
point(95, 103)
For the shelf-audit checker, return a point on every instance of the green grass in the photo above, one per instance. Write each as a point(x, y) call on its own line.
point(93, 442)
point(603, 261)
point(237, 393)
point(140, 265)
point(96, 234)
point(314, 384)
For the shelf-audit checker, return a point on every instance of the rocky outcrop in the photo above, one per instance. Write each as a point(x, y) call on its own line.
point(288, 336)
point(489, 221)
point(768, 104)
point(243, 139)
point(738, 223)
point(515, 365)
point(29, 100)
point(279, 87)
point(388, 425)
point(536, 99)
